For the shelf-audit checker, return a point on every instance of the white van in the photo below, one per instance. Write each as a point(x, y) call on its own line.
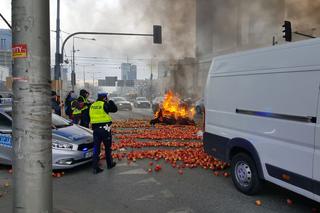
point(262, 114)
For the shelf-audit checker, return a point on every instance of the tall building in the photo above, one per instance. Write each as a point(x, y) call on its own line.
point(125, 69)
point(133, 73)
point(128, 71)
point(5, 49)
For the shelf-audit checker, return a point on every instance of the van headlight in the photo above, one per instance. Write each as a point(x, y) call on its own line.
point(61, 145)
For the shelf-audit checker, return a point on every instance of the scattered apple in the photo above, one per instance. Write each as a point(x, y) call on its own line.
point(157, 168)
point(289, 201)
point(258, 202)
point(226, 174)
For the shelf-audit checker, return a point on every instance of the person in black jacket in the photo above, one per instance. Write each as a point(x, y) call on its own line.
point(56, 107)
point(101, 125)
point(85, 105)
point(68, 108)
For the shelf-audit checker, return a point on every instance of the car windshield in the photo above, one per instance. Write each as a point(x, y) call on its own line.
point(141, 99)
point(116, 99)
point(60, 122)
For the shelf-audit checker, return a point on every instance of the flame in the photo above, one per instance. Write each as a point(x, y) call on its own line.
point(173, 107)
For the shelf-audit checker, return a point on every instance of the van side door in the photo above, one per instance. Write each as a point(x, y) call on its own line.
point(316, 159)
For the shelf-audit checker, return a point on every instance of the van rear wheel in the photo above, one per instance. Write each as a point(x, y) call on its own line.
point(244, 174)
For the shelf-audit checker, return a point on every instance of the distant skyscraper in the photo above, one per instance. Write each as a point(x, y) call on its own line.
point(125, 70)
point(133, 73)
point(128, 71)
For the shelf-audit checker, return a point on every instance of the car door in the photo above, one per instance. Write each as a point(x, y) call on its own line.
point(5, 139)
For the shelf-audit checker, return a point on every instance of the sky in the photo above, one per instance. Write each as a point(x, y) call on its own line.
point(177, 18)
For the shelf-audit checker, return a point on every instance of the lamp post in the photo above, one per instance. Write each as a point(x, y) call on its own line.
point(84, 71)
point(57, 68)
point(73, 72)
point(93, 81)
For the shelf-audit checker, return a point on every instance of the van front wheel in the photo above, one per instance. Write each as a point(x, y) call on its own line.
point(244, 174)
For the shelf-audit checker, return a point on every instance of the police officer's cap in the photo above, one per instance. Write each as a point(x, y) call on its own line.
point(102, 94)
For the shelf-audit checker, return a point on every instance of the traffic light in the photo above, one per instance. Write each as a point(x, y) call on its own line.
point(157, 34)
point(287, 31)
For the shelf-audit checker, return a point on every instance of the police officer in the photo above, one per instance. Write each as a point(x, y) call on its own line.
point(76, 111)
point(101, 124)
point(85, 105)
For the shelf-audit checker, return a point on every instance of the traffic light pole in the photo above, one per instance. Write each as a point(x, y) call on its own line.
point(157, 39)
point(306, 35)
point(32, 158)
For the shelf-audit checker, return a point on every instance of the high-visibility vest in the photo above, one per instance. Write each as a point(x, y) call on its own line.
point(85, 101)
point(75, 110)
point(97, 113)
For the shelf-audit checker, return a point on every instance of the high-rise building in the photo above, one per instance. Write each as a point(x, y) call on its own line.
point(5, 49)
point(125, 70)
point(133, 73)
point(128, 71)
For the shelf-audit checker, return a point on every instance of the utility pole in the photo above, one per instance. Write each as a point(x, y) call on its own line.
point(57, 68)
point(92, 81)
point(151, 79)
point(73, 67)
point(32, 158)
point(84, 77)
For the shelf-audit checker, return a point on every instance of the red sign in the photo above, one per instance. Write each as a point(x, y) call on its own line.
point(19, 51)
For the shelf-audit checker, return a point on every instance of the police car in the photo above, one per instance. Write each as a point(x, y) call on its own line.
point(72, 145)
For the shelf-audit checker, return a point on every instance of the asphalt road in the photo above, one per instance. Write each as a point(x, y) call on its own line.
point(129, 188)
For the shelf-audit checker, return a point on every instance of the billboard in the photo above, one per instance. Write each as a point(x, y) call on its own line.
point(127, 83)
point(111, 81)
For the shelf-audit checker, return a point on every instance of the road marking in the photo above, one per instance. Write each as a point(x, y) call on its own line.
point(126, 164)
point(166, 193)
point(148, 181)
point(182, 210)
point(134, 172)
point(146, 197)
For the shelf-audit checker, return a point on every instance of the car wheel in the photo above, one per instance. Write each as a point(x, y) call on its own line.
point(245, 174)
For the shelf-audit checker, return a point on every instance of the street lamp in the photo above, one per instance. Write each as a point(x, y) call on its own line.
point(73, 73)
point(57, 68)
point(84, 73)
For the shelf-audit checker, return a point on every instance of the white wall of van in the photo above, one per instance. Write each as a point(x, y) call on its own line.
point(270, 98)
